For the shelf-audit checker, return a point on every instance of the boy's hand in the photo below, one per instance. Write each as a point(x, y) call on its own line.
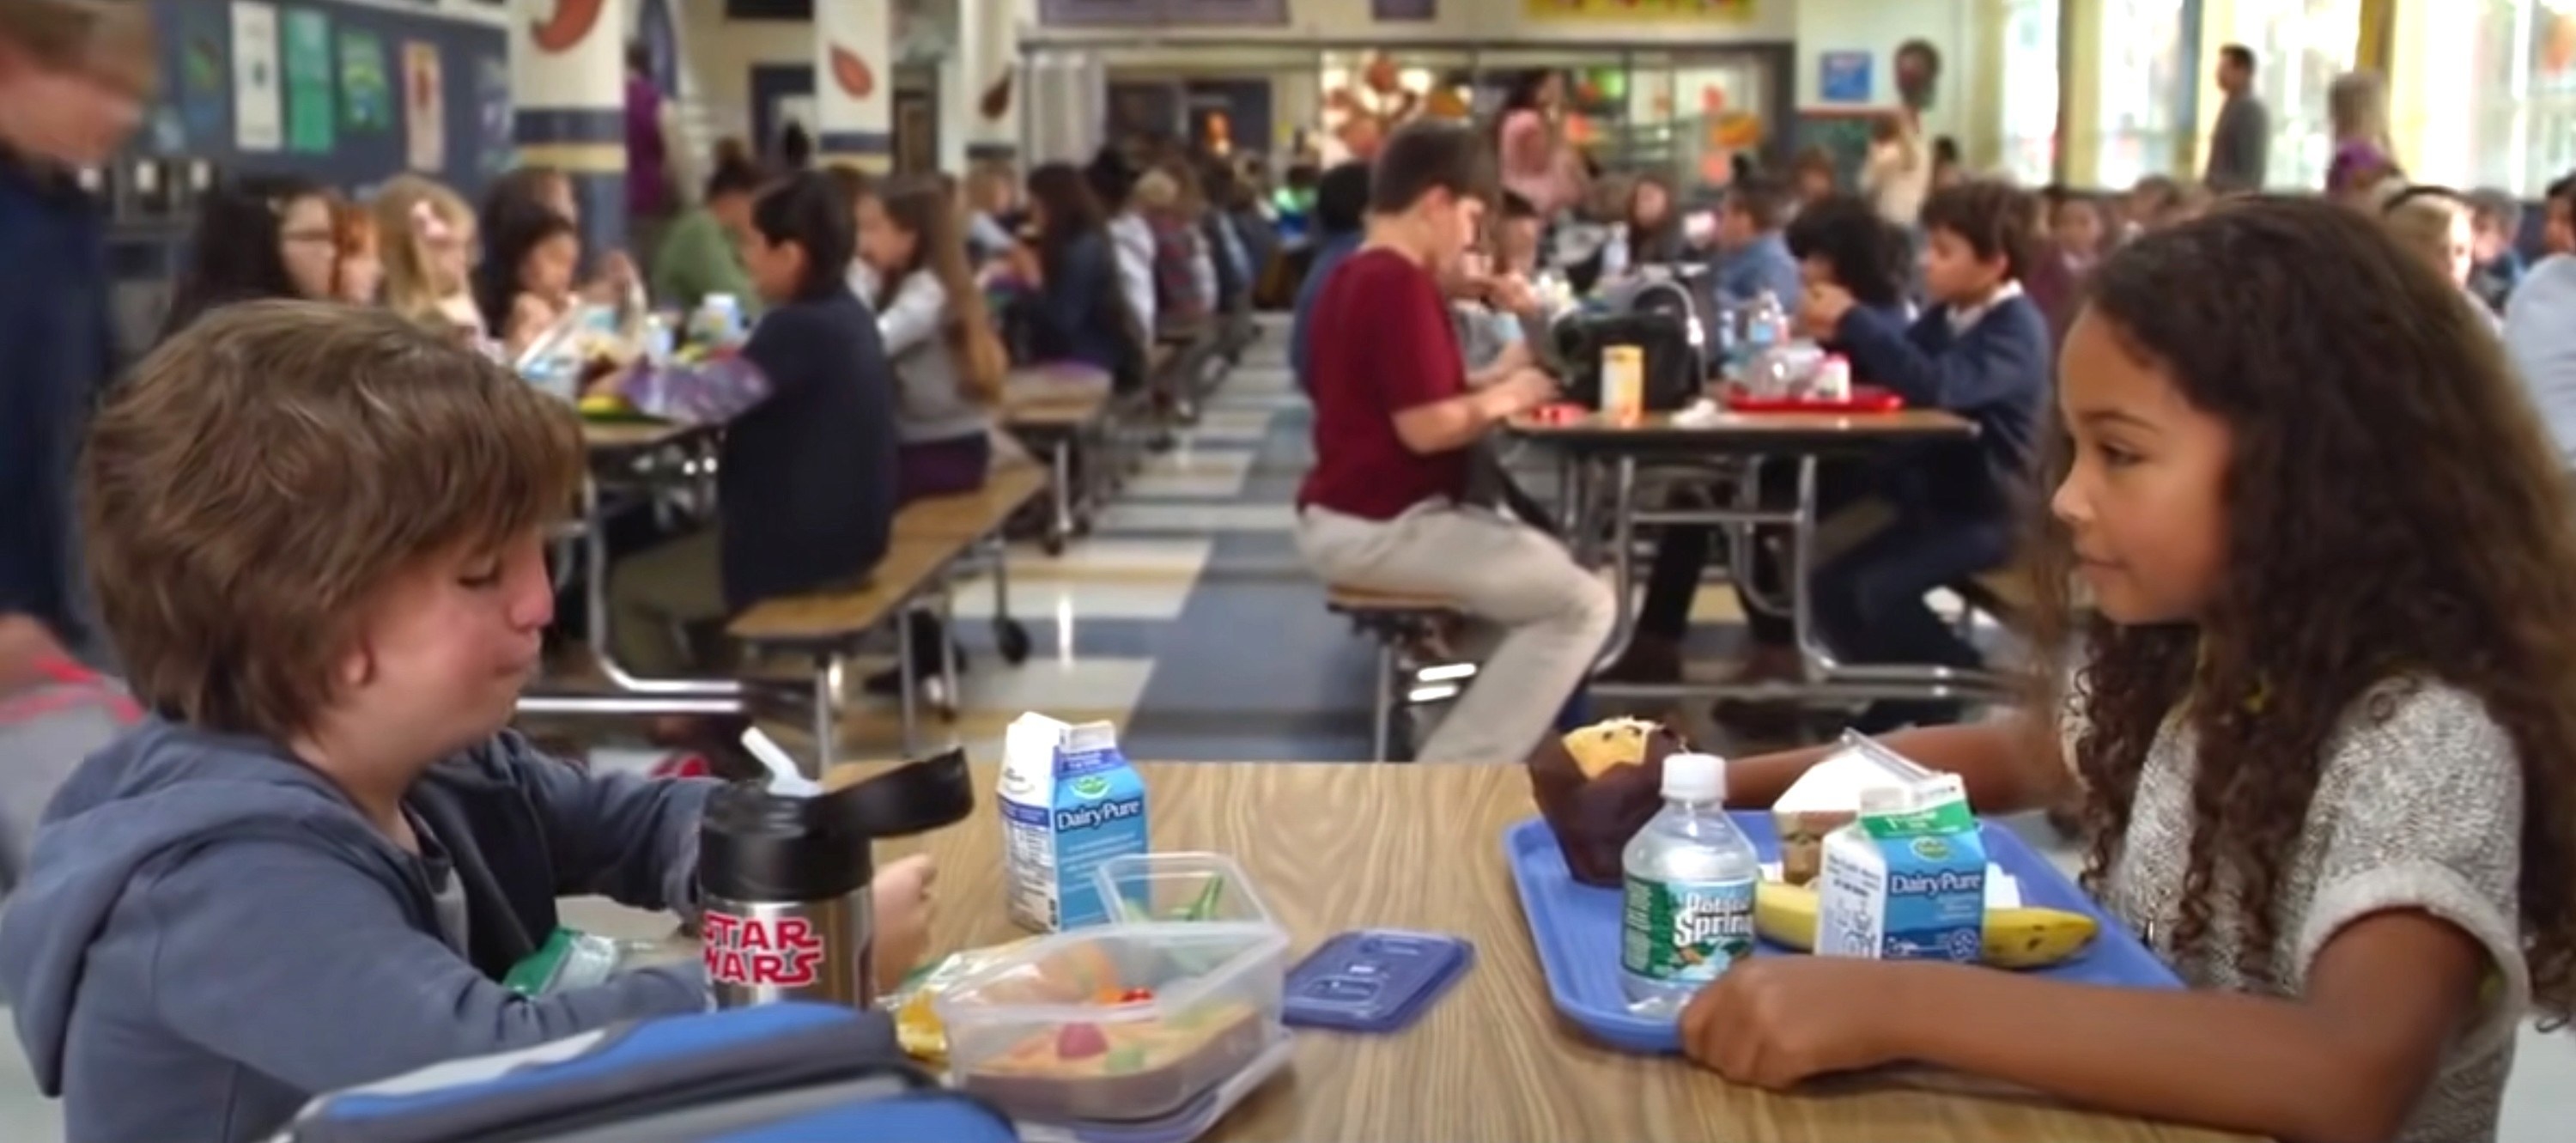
point(1520, 391)
point(901, 904)
point(1774, 1021)
point(1511, 293)
point(1822, 311)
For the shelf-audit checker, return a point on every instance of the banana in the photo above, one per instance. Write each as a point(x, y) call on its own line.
point(1785, 915)
point(2035, 938)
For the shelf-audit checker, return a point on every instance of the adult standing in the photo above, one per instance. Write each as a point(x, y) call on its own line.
point(2240, 143)
point(653, 175)
point(73, 77)
point(1896, 176)
point(1539, 163)
point(2364, 154)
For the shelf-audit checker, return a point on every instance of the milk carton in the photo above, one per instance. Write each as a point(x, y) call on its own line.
point(1069, 802)
point(1907, 880)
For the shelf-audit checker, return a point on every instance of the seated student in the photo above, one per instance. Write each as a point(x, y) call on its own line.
point(1753, 259)
point(1076, 303)
point(1184, 274)
point(699, 253)
point(313, 865)
point(948, 365)
point(2319, 724)
point(1341, 223)
point(2498, 226)
point(2076, 230)
point(1385, 506)
point(430, 239)
point(524, 286)
point(2434, 223)
point(1839, 241)
point(1113, 185)
point(805, 484)
point(257, 236)
point(2540, 326)
point(1654, 227)
point(1982, 351)
point(358, 264)
point(1492, 302)
point(535, 187)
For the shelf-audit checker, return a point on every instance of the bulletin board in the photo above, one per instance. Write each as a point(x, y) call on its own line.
point(346, 94)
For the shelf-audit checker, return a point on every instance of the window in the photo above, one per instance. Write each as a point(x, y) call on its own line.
point(2030, 91)
point(2300, 46)
point(2142, 90)
point(2522, 76)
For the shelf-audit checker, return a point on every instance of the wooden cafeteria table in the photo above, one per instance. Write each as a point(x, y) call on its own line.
point(1342, 846)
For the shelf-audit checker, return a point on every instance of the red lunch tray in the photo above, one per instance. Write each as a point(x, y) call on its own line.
point(1864, 399)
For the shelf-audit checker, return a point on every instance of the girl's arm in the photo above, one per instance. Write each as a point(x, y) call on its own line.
point(2348, 1060)
point(2008, 765)
point(711, 392)
point(913, 316)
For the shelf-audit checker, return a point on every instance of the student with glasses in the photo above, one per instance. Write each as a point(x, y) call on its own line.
point(259, 236)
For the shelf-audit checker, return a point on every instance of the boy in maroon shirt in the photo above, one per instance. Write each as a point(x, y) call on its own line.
point(1385, 507)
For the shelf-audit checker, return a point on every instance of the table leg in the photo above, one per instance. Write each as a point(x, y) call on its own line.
point(908, 686)
point(1623, 562)
point(604, 647)
point(827, 712)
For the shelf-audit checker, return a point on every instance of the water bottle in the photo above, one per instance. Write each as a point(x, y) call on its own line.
point(1766, 328)
point(1687, 912)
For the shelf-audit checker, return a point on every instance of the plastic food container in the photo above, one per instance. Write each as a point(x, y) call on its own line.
point(1116, 1022)
point(1154, 888)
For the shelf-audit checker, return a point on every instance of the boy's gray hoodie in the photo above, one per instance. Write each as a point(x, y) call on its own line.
point(210, 933)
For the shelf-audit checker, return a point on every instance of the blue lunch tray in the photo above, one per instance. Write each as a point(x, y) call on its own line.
point(1576, 930)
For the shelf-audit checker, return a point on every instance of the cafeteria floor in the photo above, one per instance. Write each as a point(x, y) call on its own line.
point(1187, 618)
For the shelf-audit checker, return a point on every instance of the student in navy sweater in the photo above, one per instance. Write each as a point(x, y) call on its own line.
point(1981, 351)
point(805, 487)
point(1840, 241)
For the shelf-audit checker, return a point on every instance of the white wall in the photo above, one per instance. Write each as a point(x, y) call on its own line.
point(1490, 20)
point(720, 53)
point(1877, 27)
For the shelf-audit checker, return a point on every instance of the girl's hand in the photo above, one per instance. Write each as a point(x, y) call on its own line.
point(1026, 266)
point(617, 273)
point(1773, 1021)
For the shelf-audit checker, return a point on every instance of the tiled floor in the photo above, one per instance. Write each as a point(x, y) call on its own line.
point(1188, 618)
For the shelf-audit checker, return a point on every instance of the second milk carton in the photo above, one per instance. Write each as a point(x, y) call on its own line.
point(1069, 802)
point(1907, 879)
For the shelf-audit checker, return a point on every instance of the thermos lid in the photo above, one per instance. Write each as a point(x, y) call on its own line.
point(756, 845)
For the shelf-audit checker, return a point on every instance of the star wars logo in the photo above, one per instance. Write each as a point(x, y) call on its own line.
point(755, 952)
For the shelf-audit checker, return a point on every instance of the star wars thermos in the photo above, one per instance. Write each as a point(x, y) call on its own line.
point(783, 875)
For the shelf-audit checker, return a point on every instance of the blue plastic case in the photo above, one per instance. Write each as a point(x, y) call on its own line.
point(1374, 980)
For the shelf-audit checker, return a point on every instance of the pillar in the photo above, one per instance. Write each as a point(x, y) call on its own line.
point(2079, 93)
point(2430, 54)
point(980, 109)
point(568, 96)
point(854, 83)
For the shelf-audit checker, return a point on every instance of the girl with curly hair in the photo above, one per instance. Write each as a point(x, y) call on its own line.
point(2319, 715)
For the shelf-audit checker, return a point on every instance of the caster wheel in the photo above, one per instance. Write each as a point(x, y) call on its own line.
point(1012, 640)
point(1053, 545)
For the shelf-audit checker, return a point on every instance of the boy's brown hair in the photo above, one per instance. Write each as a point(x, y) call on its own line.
point(1995, 218)
point(1427, 155)
point(263, 476)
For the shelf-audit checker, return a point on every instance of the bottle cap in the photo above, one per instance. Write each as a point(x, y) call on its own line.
point(1694, 778)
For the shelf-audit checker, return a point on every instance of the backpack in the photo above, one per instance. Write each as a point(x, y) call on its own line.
point(46, 732)
point(774, 1073)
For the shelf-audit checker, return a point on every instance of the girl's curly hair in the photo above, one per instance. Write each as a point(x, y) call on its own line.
point(2394, 511)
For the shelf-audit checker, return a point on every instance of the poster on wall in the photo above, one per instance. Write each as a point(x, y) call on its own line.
point(366, 90)
point(259, 111)
point(424, 107)
point(1842, 77)
point(310, 113)
point(1632, 11)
